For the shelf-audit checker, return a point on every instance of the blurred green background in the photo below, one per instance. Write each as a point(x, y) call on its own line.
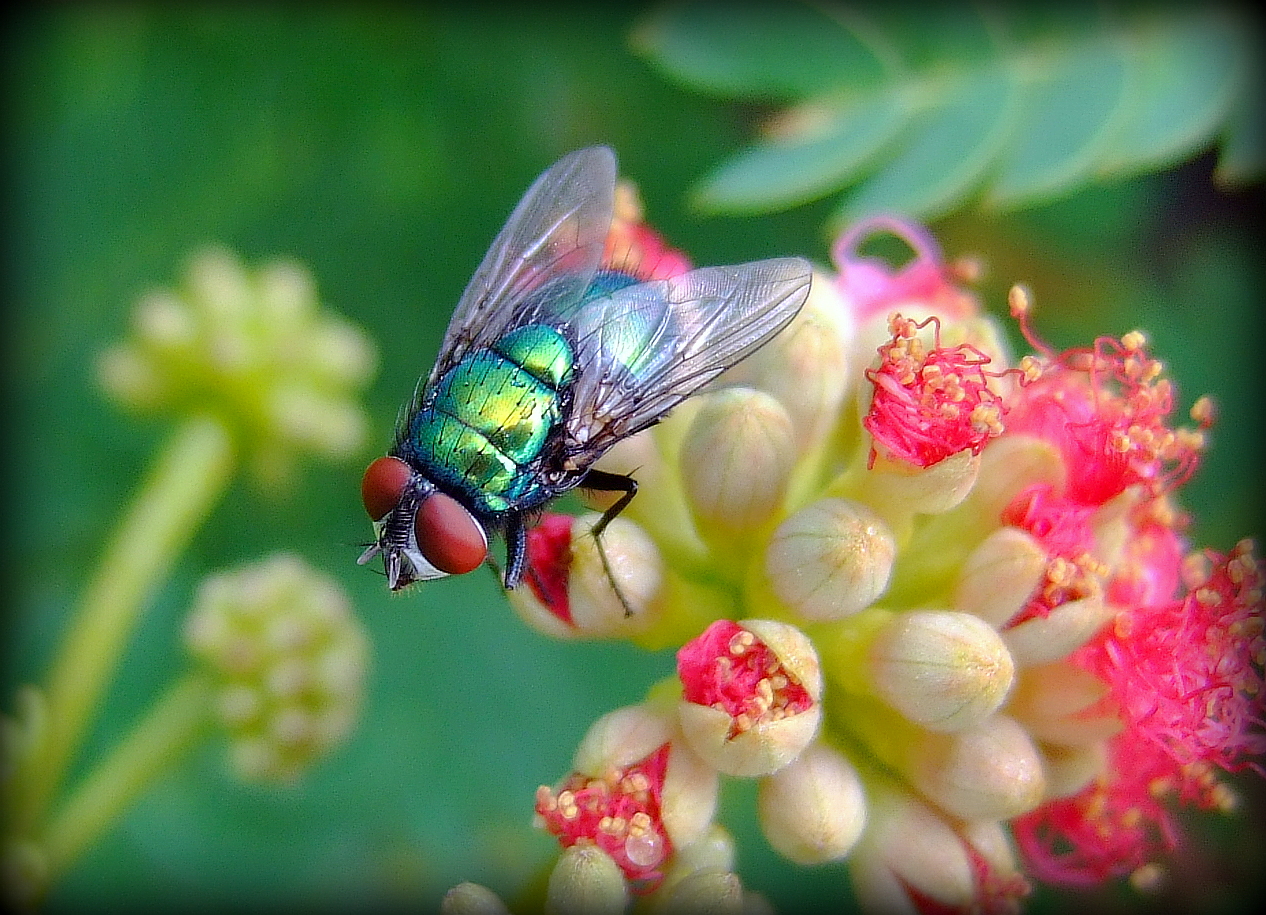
point(383, 146)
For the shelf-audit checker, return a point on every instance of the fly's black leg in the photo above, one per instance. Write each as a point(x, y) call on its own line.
point(602, 481)
point(516, 550)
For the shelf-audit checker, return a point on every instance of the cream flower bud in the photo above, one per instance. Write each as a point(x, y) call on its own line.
point(652, 457)
point(586, 881)
point(830, 560)
point(621, 738)
point(1059, 704)
point(1000, 575)
point(751, 695)
point(566, 590)
point(943, 670)
point(290, 658)
point(1066, 628)
point(909, 860)
point(990, 771)
point(806, 366)
point(897, 489)
point(714, 848)
point(709, 891)
point(472, 899)
point(1011, 464)
point(1069, 769)
point(813, 809)
point(737, 459)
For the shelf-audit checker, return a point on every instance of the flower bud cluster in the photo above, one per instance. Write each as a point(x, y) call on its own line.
point(924, 593)
point(253, 348)
point(288, 658)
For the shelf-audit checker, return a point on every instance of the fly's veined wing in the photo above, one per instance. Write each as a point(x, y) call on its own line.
point(546, 254)
point(645, 348)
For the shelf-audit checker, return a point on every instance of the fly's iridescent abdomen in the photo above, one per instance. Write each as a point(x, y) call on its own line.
point(481, 430)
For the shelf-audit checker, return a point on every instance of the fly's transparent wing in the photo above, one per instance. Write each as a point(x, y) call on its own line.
point(543, 258)
point(645, 348)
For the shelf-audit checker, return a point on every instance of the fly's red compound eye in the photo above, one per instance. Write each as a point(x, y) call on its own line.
point(449, 536)
point(383, 485)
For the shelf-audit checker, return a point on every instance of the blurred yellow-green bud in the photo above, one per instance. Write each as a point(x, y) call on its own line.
point(1060, 704)
point(813, 810)
point(289, 659)
point(472, 899)
point(806, 366)
point(941, 669)
point(254, 348)
point(751, 695)
point(737, 459)
point(586, 881)
point(713, 849)
point(830, 559)
point(990, 771)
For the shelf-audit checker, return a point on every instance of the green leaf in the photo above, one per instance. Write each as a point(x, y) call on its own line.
point(1185, 74)
point(809, 163)
point(922, 111)
point(778, 50)
point(1072, 104)
point(947, 152)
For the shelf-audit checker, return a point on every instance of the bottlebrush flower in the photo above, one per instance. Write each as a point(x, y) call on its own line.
point(967, 606)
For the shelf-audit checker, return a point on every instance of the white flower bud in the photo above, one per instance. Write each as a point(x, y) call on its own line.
point(1058, 703)
point(737, 459)
point(813, 810)
point(991, 771)
point(943, 670)
point(1011, 464)
point(909, 849)
point(472, 899)
point(897, 489)
point(1066, 628)
point(1069, 769)
point(586, 881)
point(830, 560)
point(621, 738)
point(1000, 575)
point(704, 892)
point(806, 366)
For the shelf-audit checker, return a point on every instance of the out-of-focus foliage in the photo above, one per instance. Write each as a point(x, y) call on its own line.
point(925, 108)
point(382, 147)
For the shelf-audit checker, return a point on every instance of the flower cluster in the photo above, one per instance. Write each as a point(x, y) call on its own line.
point(289, 659)
point(937, 599)
point(254, 349)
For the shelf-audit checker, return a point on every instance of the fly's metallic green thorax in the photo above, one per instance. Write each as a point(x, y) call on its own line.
point(484, 425)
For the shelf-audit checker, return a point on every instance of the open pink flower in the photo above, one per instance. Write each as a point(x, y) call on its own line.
point(930, 402)
point(619, 812)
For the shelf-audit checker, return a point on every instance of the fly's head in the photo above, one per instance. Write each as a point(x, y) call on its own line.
point(420, 532)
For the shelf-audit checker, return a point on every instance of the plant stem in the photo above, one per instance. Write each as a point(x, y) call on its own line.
point(190, 474)
point(168, 730)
